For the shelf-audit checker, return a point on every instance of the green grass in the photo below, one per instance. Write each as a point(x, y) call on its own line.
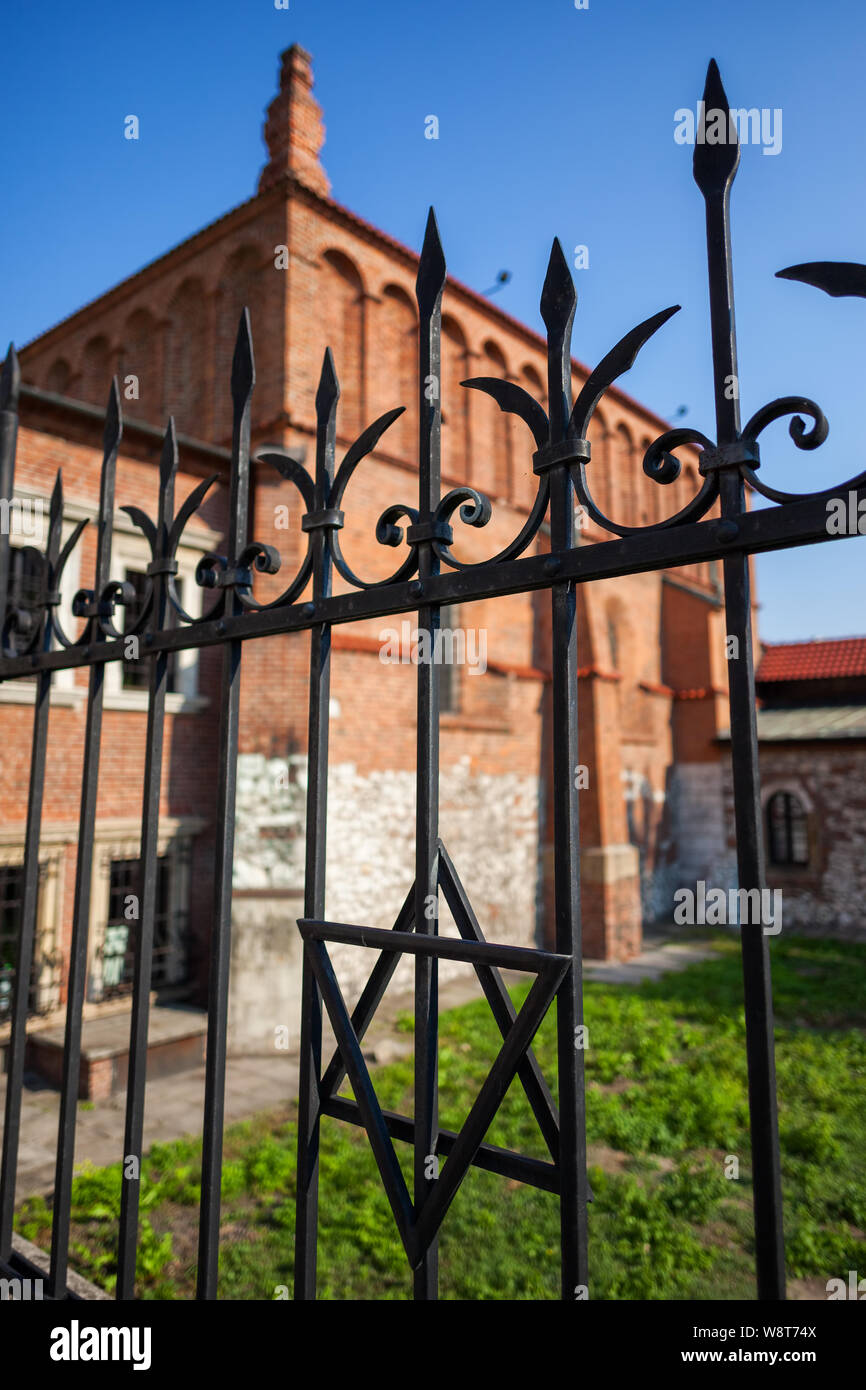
point(667, 1106)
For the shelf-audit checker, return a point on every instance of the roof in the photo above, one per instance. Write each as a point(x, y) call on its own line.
point(815, 660)
point(809, 722)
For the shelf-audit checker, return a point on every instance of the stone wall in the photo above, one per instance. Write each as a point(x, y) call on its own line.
point(826, 895)
point(488, 823)
point(699, 847)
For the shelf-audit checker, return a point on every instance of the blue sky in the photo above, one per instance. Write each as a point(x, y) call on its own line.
point(552, 120)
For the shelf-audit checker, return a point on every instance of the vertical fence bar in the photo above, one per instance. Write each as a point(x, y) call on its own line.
point(757, 983)
point(143, 962)
point(242, 382)
point(9, 384)
point(429, 287)
point(84, 868)
point(309, 1093)
point(558, 303)
point(715, 167)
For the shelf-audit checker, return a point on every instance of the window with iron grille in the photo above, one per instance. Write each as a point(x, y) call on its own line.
point(118, 952)
point(787, 829)
point(11, 896)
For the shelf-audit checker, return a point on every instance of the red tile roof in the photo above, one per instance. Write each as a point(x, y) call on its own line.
point(818, 660)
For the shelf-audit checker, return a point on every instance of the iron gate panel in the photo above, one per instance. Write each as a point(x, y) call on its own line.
point(429, 577)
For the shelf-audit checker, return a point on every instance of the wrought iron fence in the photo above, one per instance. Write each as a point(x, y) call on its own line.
point(429, 577)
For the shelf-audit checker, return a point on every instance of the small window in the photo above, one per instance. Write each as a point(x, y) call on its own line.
point(449, 674)
point(118, 951)
point(11, 902)
point(787, 829)
point(135, 675)
point(613, 643)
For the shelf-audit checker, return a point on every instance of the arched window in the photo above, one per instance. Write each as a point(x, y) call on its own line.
point(613, 642)
point(399, 347)
point(525, 479)
point(625, 509)
point(455, 402)
point(650, 491)
point(57, 379)
point(96, 371)
point(138, 358)
point(495, 430)
point(598, 468)
point(787, 829)
point(617, 632)
point(186, 357)
point(341, 314)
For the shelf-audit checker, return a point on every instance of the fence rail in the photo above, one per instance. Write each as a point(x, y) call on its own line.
point(428, 576)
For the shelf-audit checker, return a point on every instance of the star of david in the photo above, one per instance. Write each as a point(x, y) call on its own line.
point(418, 1224)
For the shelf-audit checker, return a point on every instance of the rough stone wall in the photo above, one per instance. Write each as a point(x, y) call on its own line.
point(825, 896)
point(699, 837)
point(489, 824)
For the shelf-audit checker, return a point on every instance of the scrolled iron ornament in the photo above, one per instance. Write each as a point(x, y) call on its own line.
point(99, 611)
point(388, 532)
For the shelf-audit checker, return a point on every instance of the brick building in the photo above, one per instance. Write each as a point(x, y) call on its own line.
point(652, 665)
point(812, 735)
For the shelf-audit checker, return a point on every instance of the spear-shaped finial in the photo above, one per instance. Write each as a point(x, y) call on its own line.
point(243, 380)
point(558, 303)
point(328, 392)
point(243, 363)
point(168, 457)
point(558, 295)
point(113, 430)
point(430, 280)
point(55, 519)
point(717, 146)
point(167, 475)
point(110, 442)
point(326, 428)
point(10, 380)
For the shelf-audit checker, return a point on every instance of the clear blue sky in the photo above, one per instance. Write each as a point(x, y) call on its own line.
point(552, 121)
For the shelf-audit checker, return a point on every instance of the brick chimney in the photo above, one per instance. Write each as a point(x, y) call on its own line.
point(294, 132)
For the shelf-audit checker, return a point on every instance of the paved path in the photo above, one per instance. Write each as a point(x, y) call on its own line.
point(175, 1103)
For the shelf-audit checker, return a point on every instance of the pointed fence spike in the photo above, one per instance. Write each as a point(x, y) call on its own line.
point(55, 518)
point(328, 392)
point(430, 280)
point(10, 380)
point(168, 457)
point(558, 295)
point(243, 363)
point(113, 419)
point(55, 509)
point(714, 165)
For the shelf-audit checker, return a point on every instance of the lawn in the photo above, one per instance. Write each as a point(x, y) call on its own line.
point(667, 1110)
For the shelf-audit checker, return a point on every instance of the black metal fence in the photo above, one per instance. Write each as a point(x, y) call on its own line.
point(428, 578)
